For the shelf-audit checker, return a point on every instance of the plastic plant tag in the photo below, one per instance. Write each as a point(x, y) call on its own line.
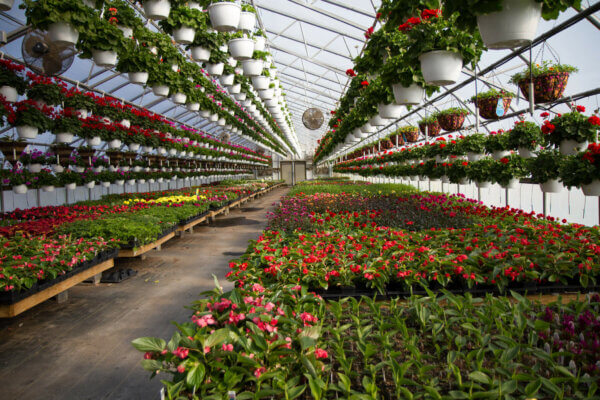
point(231, 395)
point(500, 107)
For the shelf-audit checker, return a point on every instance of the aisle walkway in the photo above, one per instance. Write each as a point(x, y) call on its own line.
point(82, 350)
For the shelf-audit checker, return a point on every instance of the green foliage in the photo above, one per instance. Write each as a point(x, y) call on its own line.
point(547, 67)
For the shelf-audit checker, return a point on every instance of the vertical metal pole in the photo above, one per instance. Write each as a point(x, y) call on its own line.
point(39, 197)
point(479, 194)
point(476, 108)
point(531, 91)
point(506, 198)
point(544, 203)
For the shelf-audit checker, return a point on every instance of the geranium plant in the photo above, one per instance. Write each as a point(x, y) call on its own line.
point(46, 89)
point(545, 167)
point(525, 134)
point(581, 169)
point(497, 141)
point(11, 75)
point(573, 126)
point(28, 113)
point(474, 143)
point(42, 13)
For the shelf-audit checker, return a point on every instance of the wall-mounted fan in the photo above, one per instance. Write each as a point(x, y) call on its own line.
point(225, 137)
point(44, 56)
point(313, 118)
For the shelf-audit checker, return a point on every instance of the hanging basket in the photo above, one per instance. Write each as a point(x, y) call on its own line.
point(62, 33)
point(412, 95)
point(200, 53)
point(397, 140)
point(487, 107)
point(157, 9)
point(184, 34)
point(433, 129)
point(6, 5)
point(441, 67)
point(225, 16)
point(139, 78)
point(241, 48)
point(412, 136)
point(514, 26)
point(104, 58)
point(10, 93)
point(591, 189)
point(451, 122)
point(247, 21)
point(386, 144)
point(546, 88)
point(12, 150)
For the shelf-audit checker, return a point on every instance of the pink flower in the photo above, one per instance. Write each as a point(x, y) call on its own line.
point(320, 353)
point(181, 368)
point(227, 347)
point(259, 371)
point(181, 352)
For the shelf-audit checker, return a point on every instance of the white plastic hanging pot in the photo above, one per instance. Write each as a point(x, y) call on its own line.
point(134, 146)
point(512, 184)
point(240, 96)
point(260, 82)
point(139, 78)
point(27, 132)
point(184, 34)
point(194, 5)
point(441, 67)
point(106, 184)
point(131, 181)
point(93, 141)
point(266, 94)
point(98, 169)
point(6, 5)
point(147, 149)
point(71, 186)
point(90, 185)
point(227, 80)
point(221, 122)
point(141, 181)
point(472, 157)
point(58, 168)
point(62, 33)
point(235, 89)
point(10, 93)
point(368, 128)
point(241, 48)
point(205, 114)
point(78, 169)
point(483, 185)
point(34, 168)
point(500, 154)
point(82, 113)
point(160, 90)
point(412, 95)
point(225, 16)
point(193, 106)
point(151, 180)
point(120, 182)
point(571, 147)
point(525, 152)
point(20, 189)
point(127, 31)
point(214, 117)
point(260, 43)
point(551, 186)
point(377, 121)
point(64, 137)
point(247, 21)
point(253, 67)
point(47, 188)
point(160, 180)
point(179, 98)
point(592, 189)
point(215, 69)
point(201, 54)
point(390, 111)
point(114, 144)
point(514, 26)
point(104, 58)
point(157, 9)
point(172, 152)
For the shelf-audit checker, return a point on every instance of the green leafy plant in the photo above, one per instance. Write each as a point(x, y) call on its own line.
point(100, 35)
point(453, 111)
point(42, 13)
point(497, 141)
point(570, 126)
point(119, 12)
point(525, 134)
point(47, 91)
point(11, 74)
point(474, 143)
point(581, 169)
point(492, 94)
point(27, 113)
point(184, 16)
point(136, 58)
point(547, 67)
point(545, 167)
point(482, 170)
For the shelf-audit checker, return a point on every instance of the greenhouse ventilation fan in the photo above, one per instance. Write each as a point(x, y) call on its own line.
point(225, 137)
point(44, 56)
point(313, 118)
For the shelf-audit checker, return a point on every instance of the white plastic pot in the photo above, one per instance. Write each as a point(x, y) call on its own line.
point(266, 94)
point(221, 122)
point(390, 111)
point(90, 185)
point(139, 78)
point(133, 146)
point(160, 90)
point(525, 152)
point(147, 149)
point(377, 121)
point(483, 185)
point(225, 16)
point(241, 48)
point(104, 58)
point(98, 169)
point(157, 9)
point(27, 132)
point(78, 169)
point(62, 33)
point(58, 168)
point(10, 93)
point(64, 137)
point(514, 26)
point(247, 21)
point(120, 182)
point(71, 186)
point(172, 152)
point(141, 181)
point(83, 114)
point(240, 96)
point(215, 69)
point(500, 154)
point(127, 31)
point(441, 67)
point(106, 184)
point(412, 95)
point(551, 186)
point(472, 157)
point(6, 5)
point(20, 189)
point(114, 144)
point(235, 89)
point(93, 141)
point(253, 67)
point(571, 147)
point(131, 181)
point(194, 5)
point(137, 168)
point(512, 184)
point(592, 189)
point(200, 54)
point(205, 114)
point(193, 106)
point(214, 117)
point(34, 168)
point(260, 43)
point(368, 128)
point(179, 98)
point(48, 188)
point(184, 34)
point(260, 82)
point(227, 80)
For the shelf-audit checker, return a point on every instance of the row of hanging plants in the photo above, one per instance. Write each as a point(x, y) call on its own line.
point(420, 48)
point(148, 57)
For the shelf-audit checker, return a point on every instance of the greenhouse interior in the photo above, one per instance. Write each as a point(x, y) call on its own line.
point(299, 199)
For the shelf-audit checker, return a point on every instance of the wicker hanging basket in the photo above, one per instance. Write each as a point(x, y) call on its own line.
point(433, 129)
point(487, 106)
point(451, 122)
point(546, 88)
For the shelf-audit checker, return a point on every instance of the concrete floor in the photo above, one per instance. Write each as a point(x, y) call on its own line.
point(82, 349)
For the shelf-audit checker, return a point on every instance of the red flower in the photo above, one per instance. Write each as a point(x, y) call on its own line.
point(320, 353)
point(504, 160)
point(594, 120)
point(369, 32)
point(364, 83)
point(426, 14)
point(547, 127)
point(580, 109)
point(333, 112)
point(350, 72)
point(545, 114)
